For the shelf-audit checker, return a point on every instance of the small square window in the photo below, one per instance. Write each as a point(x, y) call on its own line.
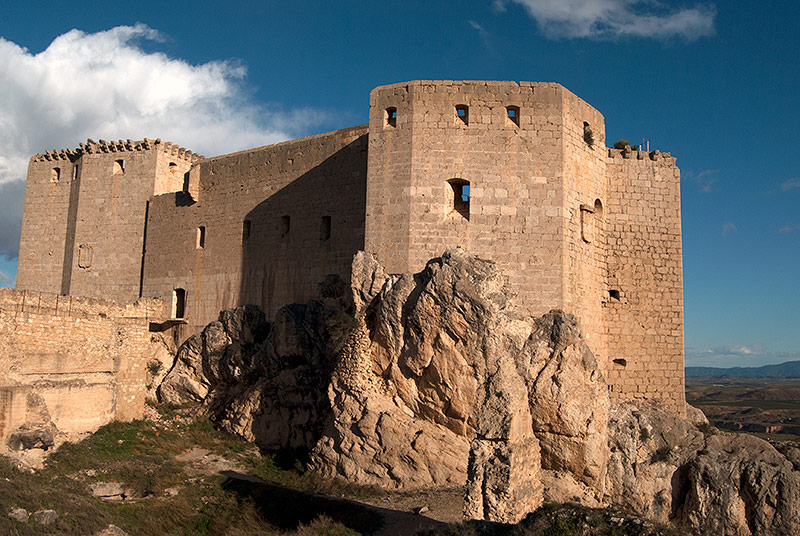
point(391, 117)
point(462, 113)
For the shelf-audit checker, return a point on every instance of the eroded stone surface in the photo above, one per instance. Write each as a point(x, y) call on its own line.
point(439, 381)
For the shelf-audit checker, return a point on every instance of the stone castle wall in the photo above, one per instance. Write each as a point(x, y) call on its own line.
point(514, 174)
point(572, 224)
point(303, 202)
point(643, 236)
point(86, 358)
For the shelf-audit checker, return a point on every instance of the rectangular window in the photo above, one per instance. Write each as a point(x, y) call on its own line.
point(512, 112)
point(286, 224)
point(119, 167)
point(391, 117)
point(462, 113)
point(461, 197)
point(178, 303)
point(325, 229)
point(75, 173)
point(245, 230)
point(55, 174)
point(201, 237)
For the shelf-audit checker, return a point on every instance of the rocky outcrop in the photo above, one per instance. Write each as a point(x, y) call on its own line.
point(435, 379)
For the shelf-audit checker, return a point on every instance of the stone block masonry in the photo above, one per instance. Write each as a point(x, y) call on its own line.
point(85, 358)
point(517, 172)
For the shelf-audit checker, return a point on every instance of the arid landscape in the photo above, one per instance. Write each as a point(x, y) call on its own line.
point(767, 406)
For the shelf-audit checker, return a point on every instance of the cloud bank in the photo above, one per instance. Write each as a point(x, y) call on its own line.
point(103, 85)
point(752, 355)
point(610, 19)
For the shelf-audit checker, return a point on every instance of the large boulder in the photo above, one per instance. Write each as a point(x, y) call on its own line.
point(434, 379)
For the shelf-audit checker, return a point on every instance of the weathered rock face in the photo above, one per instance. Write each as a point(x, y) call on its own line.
point(739, 484)
point(438, 381)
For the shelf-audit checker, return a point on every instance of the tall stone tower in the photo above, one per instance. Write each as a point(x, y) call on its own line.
point(520, 173)
point(83, 226)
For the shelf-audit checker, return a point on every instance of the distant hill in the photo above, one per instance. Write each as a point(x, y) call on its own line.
point(790, 369)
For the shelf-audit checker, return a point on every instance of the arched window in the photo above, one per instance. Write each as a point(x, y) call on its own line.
point(55, 174)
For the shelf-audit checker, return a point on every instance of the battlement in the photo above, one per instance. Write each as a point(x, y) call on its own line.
point(120, 146)
point(631, 154)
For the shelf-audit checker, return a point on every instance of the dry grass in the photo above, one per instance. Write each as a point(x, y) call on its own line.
point(142, 455)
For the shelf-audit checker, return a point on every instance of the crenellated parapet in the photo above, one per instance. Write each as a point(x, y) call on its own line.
point(120, 146)
point(632, 154)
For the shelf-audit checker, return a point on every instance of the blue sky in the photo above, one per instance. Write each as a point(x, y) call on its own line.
point(715, 83)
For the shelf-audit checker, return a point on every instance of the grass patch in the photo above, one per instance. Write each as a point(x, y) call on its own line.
point(142, 456)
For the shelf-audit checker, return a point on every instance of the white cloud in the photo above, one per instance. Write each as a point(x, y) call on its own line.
point(728, 227)
point(706, 180)
point(750, 355)
point(103, 85)
point(790, 184)
point(6, 280)
point(609, 19)
point(789, 228)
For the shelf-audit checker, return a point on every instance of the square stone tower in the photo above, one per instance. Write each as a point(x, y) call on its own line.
point(519, 173)
point(83, 224)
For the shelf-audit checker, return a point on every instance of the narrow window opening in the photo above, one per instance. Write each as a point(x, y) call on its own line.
point(173, 168)
point(391, 117)
point(588, 135)
point(512, 112)
point(178, 303)
point(461, 195)
point(598, 208)
point(75, 173)
point(55, 174)
point(462, 113)
point(201, 237)
point(245, 230)
point(185, 187)
point(325, 230)
point(119, 167)
point(623, 362)
point(587, 223)
point(286, 224)
point(613, 295)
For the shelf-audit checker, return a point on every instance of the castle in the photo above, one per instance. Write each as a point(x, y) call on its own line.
point(514, 172)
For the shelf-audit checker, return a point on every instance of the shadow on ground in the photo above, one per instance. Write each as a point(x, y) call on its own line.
point(287, 508)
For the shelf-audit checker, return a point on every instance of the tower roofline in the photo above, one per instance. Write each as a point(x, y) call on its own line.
point(120, 146)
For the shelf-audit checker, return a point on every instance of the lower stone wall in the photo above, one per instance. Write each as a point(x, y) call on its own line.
point(76, 362)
